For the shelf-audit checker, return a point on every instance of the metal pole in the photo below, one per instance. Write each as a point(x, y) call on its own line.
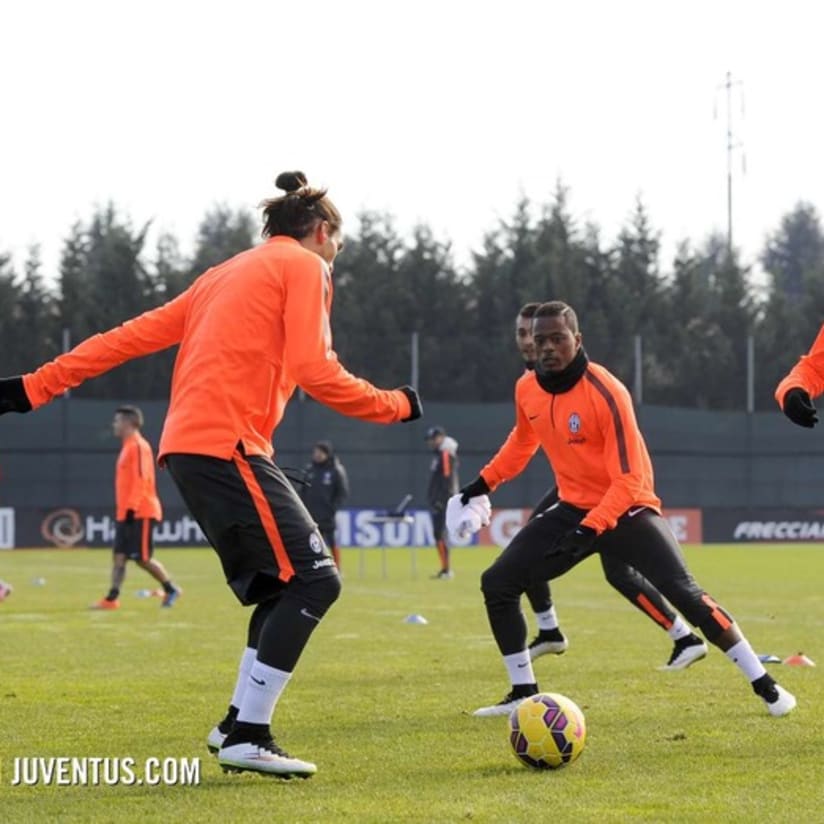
point(638, 385)
point(414, 361)
point(750, 374)
point(732, 144)
point(66, 345)
point(64, 430)
point(728, 85)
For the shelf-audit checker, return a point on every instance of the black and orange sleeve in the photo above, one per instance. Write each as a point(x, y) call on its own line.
point(150, 332)
point(807, 374)
point(313, 364)
point(624, 453)
point(515, 453)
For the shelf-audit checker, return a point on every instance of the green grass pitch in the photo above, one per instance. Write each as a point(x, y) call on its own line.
point(381, 706)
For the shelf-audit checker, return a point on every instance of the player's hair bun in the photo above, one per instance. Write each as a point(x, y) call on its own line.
point(291, 181)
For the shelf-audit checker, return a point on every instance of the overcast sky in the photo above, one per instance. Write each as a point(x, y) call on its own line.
point(436, 111)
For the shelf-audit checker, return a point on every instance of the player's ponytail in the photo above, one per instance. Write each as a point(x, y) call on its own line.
point(297, 212)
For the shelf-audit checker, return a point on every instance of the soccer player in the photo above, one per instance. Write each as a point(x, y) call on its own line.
point(443, 484)
point(582, 417)
point(137, 509)
point(325, 488)
point(804, 382)
point(250, 330)
point(687, 647)
point(6, 589)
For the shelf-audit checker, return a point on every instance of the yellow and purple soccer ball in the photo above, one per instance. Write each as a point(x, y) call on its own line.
point(547, 731)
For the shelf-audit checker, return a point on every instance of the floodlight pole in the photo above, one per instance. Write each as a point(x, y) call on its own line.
point(732, 145)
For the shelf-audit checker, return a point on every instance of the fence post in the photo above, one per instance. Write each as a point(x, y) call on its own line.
point(66, 342)
point(750, 374)
point(414, 358)
point(638, 383)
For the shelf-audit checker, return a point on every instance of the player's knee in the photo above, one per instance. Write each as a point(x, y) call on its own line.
point(318, 593)
point(331, 587)
point(488, 581)
point(495, 587)
point(614, 577)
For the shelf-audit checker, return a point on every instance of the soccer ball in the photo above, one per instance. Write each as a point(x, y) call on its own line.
point(547, 731)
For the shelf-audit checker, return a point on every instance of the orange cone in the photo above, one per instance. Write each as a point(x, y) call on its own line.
point(799, 660)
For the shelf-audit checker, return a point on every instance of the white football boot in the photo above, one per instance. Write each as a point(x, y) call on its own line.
point(548, 642)
point(504, 707)
point(215, 740)
point(783, 703)
point(685, 651)
point(263, 757)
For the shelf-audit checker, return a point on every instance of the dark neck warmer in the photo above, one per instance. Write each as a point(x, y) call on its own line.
point(557, 383)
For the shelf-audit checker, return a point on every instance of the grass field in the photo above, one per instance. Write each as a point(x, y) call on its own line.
point(380, 705)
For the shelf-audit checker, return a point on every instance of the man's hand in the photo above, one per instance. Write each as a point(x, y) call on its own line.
point(129, 516)
point(478, 487)
point(578, 541)
point(414, 403)
point(13, 396)
point(466, 519)
point(799, 408)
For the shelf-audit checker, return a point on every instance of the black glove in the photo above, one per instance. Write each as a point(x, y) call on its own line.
point(129, 516)
point(799, 408)
point(478, 487)
point(414, 403)
point(13, 396)
point(577, 541)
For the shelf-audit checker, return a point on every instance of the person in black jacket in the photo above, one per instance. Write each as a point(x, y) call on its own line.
point(325, 490)
point(443, 483)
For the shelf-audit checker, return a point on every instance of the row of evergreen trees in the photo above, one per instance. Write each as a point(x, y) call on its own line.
point(694, 313)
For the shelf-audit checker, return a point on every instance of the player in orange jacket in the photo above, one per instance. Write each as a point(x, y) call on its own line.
point(804, 382)
point(582, 417)
point(137, 509)
point(250, 330)
point(687, 647)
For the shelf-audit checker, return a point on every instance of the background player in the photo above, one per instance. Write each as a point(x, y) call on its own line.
point(687, 647)
point(250, 330)
point(443, 483)
point(137, 509)
point(325, 488)
point(583, 418)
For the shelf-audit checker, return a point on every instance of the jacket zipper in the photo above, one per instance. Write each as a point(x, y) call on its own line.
point(552, 411)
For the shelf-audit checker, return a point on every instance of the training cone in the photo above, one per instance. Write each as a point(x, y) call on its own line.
point(415, 619)
point(799, 660)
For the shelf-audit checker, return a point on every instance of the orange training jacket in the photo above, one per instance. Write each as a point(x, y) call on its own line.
point(592, 440)
point(134, 484)
point(249, 330)
point(807, 374)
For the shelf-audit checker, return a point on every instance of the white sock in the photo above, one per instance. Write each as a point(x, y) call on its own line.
point(263, 688)
point(246, 661)
point(679, 629)
point(519, 668)
point(547, 620)
point(742, 655)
